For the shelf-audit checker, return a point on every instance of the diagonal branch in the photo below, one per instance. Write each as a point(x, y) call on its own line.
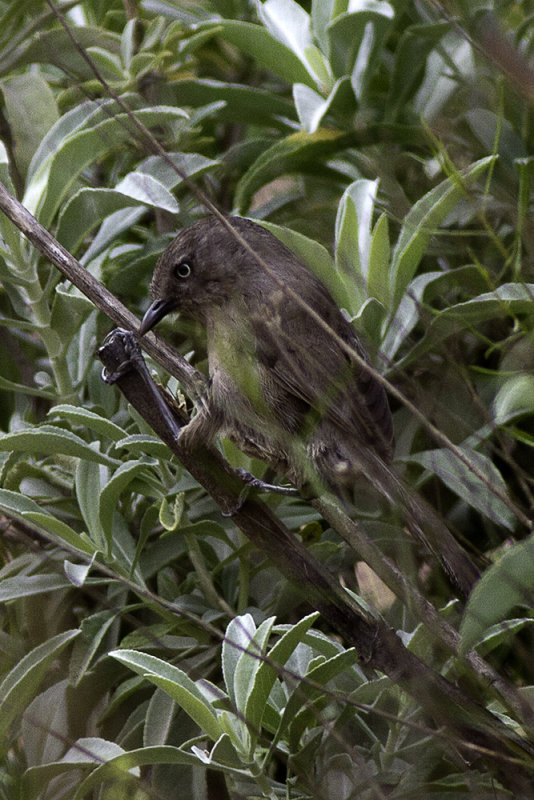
point(480, 733)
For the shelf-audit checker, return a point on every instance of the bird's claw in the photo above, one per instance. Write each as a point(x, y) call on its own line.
point(251, 483)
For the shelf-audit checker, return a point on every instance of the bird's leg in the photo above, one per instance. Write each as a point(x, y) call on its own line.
point(251, 483)
point(202, 429)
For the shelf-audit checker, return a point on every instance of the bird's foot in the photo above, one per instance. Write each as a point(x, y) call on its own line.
point(251, 483)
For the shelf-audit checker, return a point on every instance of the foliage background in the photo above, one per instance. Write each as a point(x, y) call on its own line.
point(389, 144)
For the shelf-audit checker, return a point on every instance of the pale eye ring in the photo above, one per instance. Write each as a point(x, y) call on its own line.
point(183, 269)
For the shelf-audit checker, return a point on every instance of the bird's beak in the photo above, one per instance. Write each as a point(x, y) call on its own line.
point(155, 313)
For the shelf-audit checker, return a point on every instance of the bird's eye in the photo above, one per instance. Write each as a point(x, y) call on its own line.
point(183, 269)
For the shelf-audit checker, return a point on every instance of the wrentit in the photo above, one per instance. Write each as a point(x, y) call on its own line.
point(282, 385)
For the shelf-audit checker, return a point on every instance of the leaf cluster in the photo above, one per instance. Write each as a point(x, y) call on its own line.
point(145, 644)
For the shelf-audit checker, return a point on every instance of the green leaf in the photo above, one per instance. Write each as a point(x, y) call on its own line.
point(108, 64)
point(453, 57)
point(76, 151)
point(378, 265)
point(265, 49)
point(62, 533)
point(139, 444)
point(495, 131)
point(289, 23)
point(237, 638)
point(20, 507)
point(12, 386)
point(410, 56)
point(159, 718)
point(301, 709)
point(57, 47)
point(86, 209)
point(31, 111)
point(241, 103)
point(263, 674)
point(353, 238)
point(70, 309)
point(315, 256)
point(79, 415)
point(170, 513)
point(501, 634)
point(28, 585)
point(49, 440)
point(250, 682)
point(311, 106)
point(22, 682)
point(77, 573)
point(514, 399)
point(465, 482)
point(510, 298)
point(355, 42)
point(505, 585)
point(422, 291)
point(36, 777)
point(93, 631)
point(299, 151)
point(421, 223)
point(177, 684)
point(89, 480)
point(110, 493)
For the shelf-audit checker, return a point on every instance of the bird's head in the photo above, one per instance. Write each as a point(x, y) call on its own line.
point(200, 270)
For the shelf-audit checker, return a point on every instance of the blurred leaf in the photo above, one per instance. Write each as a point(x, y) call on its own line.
point(241, 104)
point(356, 40)
point(450, 63)
point(299, 151)
point(421, 223)
point(315, 256)
point(31, 111)
point(505, 585)
point(57, 47)
point(411, 54)
point(496, 132)
point(466, 483)
point(22, 682)
point(509, 298)
point(514, 399)
point(28, 585)
point(257, 42)
point(413, 308)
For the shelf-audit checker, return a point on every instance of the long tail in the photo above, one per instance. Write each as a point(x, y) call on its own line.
point(423, 522)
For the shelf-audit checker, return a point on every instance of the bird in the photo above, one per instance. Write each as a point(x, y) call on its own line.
point(290, 382)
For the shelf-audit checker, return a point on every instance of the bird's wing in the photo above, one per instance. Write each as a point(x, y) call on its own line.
point(308, 363)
